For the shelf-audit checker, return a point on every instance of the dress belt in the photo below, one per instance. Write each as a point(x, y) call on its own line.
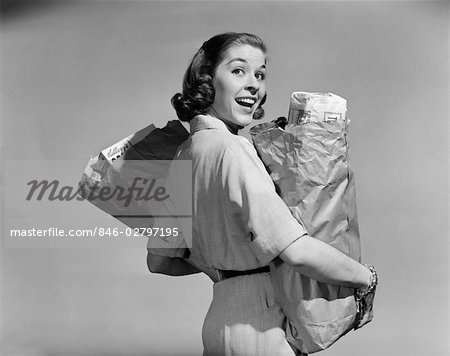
point(225, 274)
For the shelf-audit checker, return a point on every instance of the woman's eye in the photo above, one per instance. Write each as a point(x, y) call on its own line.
point(237, 71)
point(260, 76)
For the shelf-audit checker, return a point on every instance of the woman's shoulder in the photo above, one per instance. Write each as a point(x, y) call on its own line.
point(235, 147)
point(240, 144)
point(209, 142)
point(231, 141)
point(208, 131)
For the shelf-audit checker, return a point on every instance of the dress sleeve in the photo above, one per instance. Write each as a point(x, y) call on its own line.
point(255, 203)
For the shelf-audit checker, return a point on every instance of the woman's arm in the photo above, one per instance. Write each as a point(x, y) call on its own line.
point(172, 266)
point(322, 262)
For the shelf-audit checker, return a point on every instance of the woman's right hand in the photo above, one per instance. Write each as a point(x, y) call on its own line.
point(365, 314)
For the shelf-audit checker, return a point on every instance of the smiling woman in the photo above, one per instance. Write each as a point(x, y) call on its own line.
point(237, 60)
point(239, 223)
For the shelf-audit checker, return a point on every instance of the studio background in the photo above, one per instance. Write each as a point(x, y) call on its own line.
point(77, 76)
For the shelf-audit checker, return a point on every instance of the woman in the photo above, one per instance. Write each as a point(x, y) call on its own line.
point(239, 222)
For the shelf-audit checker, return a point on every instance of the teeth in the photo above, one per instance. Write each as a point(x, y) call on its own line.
point(246, 100)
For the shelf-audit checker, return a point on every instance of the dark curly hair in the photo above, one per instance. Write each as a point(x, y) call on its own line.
point(198, 92)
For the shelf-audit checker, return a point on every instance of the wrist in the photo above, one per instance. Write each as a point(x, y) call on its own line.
point(368, 278)
point(370, 285)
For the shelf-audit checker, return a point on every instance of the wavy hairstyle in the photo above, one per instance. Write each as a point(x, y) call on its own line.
point(198, 91)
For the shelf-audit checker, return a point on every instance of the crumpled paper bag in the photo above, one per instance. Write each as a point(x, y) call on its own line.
point(146, 153)
point(308, 162)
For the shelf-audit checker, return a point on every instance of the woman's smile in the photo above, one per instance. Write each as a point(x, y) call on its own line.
point(246, 101)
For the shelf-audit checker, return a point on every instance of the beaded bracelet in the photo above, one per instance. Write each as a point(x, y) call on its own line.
point(361, 294)
point(360, 297)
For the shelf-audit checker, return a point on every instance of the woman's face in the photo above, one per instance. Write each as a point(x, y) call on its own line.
point(239, 83)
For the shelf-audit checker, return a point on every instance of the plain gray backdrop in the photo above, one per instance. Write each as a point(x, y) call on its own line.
point(76, 76)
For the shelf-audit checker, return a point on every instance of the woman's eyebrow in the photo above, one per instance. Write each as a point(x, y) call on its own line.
point(238, 59)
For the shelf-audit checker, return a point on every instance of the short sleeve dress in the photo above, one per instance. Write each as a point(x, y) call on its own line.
point(239, 223)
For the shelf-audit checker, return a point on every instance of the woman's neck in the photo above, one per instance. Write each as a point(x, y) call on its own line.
point(233, 128)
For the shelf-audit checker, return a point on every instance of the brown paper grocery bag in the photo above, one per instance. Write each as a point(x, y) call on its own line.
point(308, 162)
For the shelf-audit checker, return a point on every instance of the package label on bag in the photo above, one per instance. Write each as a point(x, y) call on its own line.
point(316, 107)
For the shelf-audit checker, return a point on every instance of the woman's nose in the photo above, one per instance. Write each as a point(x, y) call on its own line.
point(252, 85)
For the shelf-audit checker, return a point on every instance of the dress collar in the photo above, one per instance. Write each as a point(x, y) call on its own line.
point(206, 122)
